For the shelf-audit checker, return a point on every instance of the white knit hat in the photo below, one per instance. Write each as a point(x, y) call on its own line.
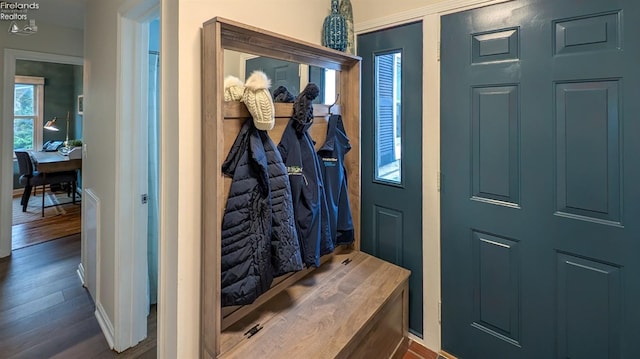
point(233, 88)
point(258, 100)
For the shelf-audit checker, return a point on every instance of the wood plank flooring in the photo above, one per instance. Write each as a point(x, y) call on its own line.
point(30, 228)
point(30, 233)
point(46, 313)
point(417, 351)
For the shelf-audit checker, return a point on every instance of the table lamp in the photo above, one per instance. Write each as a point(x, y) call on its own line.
point(51, 126)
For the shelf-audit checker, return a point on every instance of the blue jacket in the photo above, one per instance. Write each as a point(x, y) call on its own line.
point(259, 238)
point(334, 176)
point(309, 201)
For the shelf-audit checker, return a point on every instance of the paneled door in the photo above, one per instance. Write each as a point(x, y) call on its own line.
point(392, 153)
point(540, 160)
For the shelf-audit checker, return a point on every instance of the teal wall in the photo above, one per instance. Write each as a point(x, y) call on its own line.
point(62, 85)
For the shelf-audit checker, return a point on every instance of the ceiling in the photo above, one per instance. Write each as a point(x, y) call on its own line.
point(68, 13)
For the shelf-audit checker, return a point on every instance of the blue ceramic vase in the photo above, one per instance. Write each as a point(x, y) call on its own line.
point(334, 29)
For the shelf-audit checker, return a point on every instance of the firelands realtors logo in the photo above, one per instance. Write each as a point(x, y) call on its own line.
point(17, 12)
point(14, 11)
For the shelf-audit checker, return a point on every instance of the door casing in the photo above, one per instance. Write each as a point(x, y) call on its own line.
point(130, 323)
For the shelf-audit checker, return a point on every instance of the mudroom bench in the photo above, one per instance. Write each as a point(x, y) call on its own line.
point(350, 307)
point(353, 305)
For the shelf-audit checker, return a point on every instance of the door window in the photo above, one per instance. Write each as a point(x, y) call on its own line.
point(388, 116)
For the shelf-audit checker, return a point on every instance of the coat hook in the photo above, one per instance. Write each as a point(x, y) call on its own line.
point(333, 104)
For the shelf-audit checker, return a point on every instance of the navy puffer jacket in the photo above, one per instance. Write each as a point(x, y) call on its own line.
point(310, 203)
point(285, 247)
point(259, 239)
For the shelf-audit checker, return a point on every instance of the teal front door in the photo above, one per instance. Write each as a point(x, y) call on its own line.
point(391, 143)
point(540, 146)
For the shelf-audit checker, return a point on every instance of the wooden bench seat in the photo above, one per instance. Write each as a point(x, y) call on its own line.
point(353, 306)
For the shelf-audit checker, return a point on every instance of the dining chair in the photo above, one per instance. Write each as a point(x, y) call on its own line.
point(31, 178)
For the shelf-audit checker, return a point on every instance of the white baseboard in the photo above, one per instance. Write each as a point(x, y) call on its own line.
point(80, 272)
point(105, 325)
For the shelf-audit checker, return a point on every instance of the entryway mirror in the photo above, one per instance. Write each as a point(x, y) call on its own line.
point(293, 76)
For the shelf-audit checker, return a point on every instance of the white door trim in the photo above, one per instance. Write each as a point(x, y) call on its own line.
point(430, 17)
point(168, 268)
point(6, 134)
point(130, 322)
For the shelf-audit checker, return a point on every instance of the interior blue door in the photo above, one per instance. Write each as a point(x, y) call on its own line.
point(391, 144)
point(540, 180)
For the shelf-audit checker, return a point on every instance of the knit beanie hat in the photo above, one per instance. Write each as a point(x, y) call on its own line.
point(233, 88)
point(303, 107)
point(258, 100)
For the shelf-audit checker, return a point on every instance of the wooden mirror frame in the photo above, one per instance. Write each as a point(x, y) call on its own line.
point(219, 34)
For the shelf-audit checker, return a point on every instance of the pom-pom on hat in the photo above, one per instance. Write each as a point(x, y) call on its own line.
point(258, 100)
point(233, 88)
point(303, 107)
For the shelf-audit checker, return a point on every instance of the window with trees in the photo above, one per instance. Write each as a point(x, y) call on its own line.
point(28, 103)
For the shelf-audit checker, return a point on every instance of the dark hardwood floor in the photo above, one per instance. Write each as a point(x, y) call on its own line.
point(46, 313)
